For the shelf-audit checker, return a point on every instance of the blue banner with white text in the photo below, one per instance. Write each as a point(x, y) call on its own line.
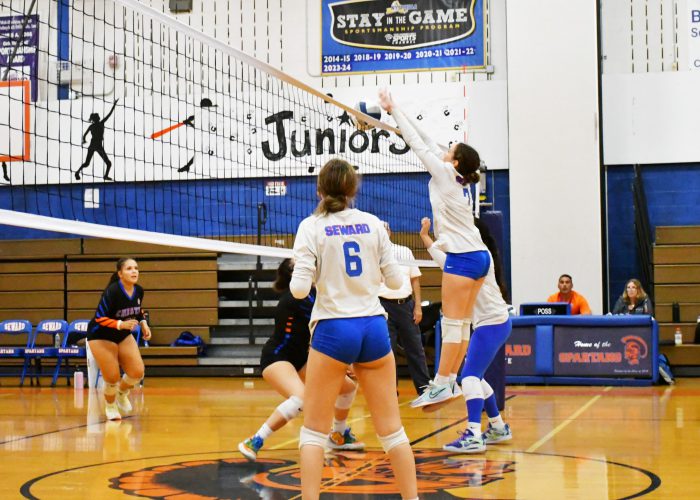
point(383, 35)
point(19, 45)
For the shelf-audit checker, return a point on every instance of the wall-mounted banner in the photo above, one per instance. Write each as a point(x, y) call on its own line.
point(19, 43)
point(362, 36)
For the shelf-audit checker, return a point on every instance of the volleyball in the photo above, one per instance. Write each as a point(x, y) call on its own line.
point(370, 109)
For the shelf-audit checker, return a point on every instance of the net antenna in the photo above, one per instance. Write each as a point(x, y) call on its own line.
point(172, 136)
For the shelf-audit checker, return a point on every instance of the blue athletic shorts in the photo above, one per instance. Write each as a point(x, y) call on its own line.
point(474, 265)
point(352, 340)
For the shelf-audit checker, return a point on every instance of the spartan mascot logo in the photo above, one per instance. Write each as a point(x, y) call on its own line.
point(635, 349)
point(352, 475)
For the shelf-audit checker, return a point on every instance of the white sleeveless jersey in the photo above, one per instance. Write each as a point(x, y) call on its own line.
point(346, 254)
point(453, 218)
point(489, 307)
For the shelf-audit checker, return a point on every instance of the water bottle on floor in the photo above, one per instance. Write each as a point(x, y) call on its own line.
point(78, 380)
point(147, 317)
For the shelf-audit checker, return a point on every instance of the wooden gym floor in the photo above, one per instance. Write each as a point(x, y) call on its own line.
point(569, 442)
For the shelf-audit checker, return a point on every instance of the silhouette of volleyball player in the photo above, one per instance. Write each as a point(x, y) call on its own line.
point(97, 130)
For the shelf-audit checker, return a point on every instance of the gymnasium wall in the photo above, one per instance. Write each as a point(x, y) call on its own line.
point(673, 195)
point(642, 41)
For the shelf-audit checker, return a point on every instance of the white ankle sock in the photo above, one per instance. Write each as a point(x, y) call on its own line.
point(475, 428)
point(340, 425)
point(264, 432)
point(441, 380)
point(497, 422)
point(453, 378)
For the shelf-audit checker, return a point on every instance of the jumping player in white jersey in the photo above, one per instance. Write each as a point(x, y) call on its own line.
point(467, 259)
point(347, 253)
point(492, 326)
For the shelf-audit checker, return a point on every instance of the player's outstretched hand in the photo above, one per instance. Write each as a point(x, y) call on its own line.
point(385, 100)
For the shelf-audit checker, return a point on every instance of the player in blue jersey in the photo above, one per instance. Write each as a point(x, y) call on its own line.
point(283, 366)
point(347, 253)
point(109, 336)
point(467, 259)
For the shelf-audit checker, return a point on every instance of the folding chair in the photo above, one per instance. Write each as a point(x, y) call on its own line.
point(41, 348)
point(69, 349)
point(15, 327)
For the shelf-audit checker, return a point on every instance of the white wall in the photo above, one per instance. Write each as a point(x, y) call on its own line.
point(650, 83)
point(554, 151)
point(651, 118)
point(642, 36)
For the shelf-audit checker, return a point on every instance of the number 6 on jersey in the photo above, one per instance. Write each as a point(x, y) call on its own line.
point(353, 262)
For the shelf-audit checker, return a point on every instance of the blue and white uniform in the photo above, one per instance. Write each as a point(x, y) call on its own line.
point(492, 327)
point(489, 307)
point(346, 254)
point(453, 217)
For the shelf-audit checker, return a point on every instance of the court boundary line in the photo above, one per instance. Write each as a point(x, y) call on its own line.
point(566, 422)
point(655, 481)
point(25, 489)
point(31, 436)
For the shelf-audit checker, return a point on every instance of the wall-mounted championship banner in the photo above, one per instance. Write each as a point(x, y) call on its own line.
point(383, 35)
point(19, 45)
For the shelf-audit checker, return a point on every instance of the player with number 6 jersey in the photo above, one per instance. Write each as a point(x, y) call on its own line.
point(347, 253)
point(356, 253)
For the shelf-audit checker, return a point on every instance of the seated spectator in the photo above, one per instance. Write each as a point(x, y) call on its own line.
point(634, 300)
point(579, 304)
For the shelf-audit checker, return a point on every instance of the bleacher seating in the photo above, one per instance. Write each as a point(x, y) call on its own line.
point(43, 279)
point(677, 280)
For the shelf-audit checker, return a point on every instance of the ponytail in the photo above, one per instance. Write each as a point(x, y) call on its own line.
point(468, 163)
point(337, 186)
point(113, 278)
point(284, 276)
point(332, 204)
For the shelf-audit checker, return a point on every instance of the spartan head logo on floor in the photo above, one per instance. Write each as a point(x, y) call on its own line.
point(348, 474)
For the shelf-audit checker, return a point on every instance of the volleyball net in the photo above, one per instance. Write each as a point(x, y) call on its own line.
point(116, 116)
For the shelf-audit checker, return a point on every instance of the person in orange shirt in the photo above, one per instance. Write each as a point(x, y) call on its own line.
point(579, 304)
